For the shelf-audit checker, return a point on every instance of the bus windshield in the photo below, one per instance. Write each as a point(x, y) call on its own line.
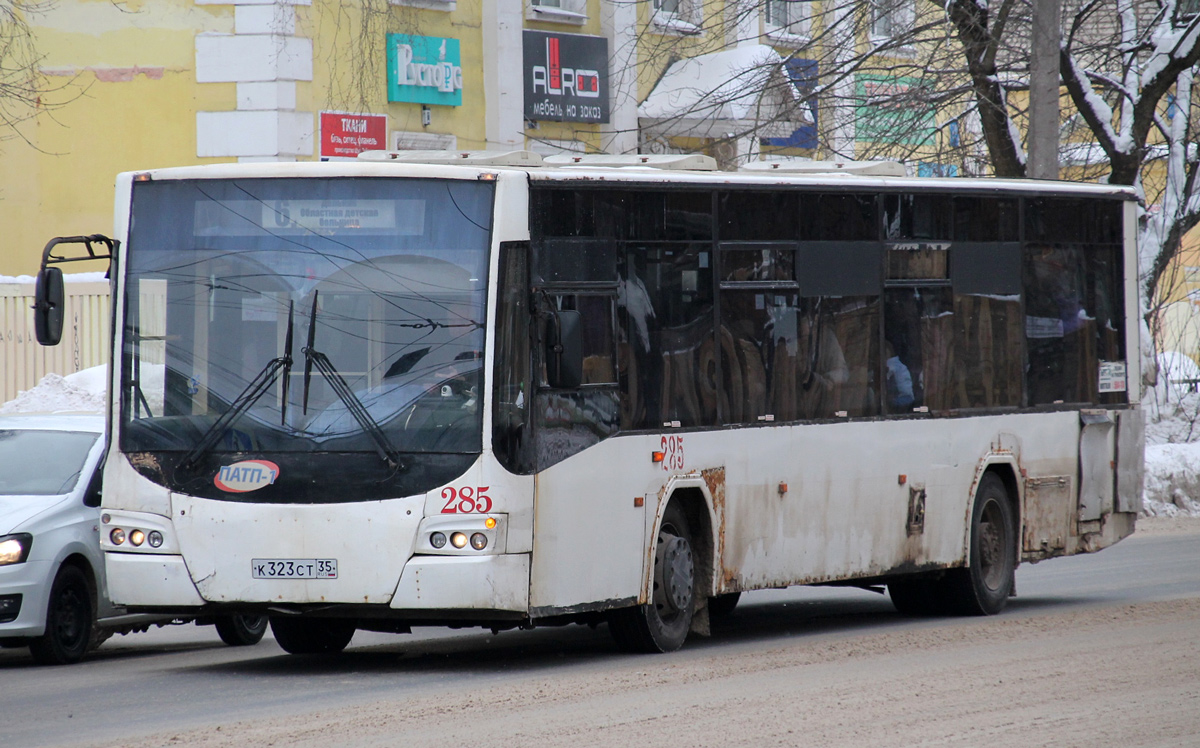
point(305, 315)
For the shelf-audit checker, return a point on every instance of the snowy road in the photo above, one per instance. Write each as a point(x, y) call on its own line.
point(1096, 650)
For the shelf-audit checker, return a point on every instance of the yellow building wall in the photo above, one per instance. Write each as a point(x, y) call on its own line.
point(128, 101)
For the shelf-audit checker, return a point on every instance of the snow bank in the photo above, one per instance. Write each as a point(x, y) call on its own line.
point(1172, 485)
point(81, 391)
point(97, 277)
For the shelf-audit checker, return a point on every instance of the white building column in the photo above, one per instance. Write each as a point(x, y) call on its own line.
point(265, 58)
point(504, 91)
point(619, 23)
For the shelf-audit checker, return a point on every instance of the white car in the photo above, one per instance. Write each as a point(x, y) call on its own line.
point(53, 592)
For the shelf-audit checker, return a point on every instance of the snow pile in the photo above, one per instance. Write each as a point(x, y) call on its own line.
point(1172, 485)
point(97, 277)
point(81, 391)
point(1172, 480)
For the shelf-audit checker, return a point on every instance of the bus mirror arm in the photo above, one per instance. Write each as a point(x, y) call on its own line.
point(50, 296)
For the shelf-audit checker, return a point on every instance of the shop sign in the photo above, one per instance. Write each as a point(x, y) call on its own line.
point(424, 70)
point(892, 110)
point(347, 135)
point(566, 77)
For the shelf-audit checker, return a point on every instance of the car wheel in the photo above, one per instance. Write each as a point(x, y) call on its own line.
point(70, 618)
point(241, 630)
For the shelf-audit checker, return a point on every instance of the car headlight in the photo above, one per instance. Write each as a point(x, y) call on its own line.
point(14, 549)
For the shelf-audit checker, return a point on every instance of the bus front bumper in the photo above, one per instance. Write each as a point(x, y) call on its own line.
point(142, 579)
point(495, 582)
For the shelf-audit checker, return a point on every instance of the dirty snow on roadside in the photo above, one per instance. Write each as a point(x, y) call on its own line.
point(1172, 487)
point(78, 392)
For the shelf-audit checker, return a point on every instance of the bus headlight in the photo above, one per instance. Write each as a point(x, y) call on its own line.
point(155, 539)
point(117, 536)
point(137, 537)
point(458, 540)
point(438, 540)
point(479, 541)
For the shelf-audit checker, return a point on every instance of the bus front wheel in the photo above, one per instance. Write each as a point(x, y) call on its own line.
point(662, 625)
point(983, 587)
point(312, 635)
point(241, 630)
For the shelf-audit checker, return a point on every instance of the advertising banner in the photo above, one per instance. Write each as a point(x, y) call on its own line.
point(566, 77)
point(424, 70)
point(347, 135)
point(893, 110)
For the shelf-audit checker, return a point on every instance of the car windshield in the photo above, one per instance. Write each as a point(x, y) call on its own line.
point(42, 463)
point(306, 315)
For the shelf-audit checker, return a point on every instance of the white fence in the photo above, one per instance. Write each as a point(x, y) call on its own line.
point(84, 342)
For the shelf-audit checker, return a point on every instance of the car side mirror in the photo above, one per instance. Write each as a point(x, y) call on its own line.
point(95, 489)
point(564, 349)
point(49, 304)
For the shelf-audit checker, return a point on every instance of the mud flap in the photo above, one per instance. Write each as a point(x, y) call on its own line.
point(1097, 463)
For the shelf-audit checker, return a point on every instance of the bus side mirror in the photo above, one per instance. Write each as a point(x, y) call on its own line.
point(49, 302)
point(564, 349)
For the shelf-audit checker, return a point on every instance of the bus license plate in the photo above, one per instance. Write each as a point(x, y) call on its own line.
point(293, 568)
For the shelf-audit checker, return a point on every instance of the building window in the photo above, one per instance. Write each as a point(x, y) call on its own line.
point(891, 19)
point(676, 16)
point(788, 18)
point(557, 11)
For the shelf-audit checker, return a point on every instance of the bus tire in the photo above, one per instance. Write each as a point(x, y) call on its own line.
point(241, 630)
point(984, 586)
point(721, 606)
point(662, 625)
point(312, 635)
point(70, 618)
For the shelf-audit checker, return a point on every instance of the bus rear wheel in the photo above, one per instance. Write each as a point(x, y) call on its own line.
point(312, 635)
point(984, 586)
point(662, 625)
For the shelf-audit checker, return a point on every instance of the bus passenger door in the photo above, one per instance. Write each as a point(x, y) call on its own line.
point(1097, 459)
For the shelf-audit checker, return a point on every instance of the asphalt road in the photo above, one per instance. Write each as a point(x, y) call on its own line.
point(174, 684)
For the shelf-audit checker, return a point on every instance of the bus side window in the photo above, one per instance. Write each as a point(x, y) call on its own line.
point(666, 349)
point(512, 404)
point(1074, 298)
point(597, 340)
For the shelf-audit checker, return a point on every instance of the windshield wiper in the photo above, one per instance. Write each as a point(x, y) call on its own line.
point(313, 357)
point(246, 400)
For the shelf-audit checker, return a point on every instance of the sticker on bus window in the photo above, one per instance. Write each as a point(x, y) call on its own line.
point(1112, 376)
point(245, 476)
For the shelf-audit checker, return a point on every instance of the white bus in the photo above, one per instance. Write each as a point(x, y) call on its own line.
point(481, 389)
